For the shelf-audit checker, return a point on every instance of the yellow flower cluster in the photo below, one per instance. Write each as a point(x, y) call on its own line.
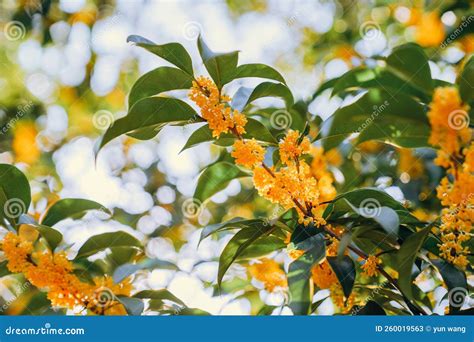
point(214, 108)
point(53, 272)
point(291, 148)
point(455, 191)
point(24, 143)
point(268, 272)
point(370, 265)
point(319, 169)
point(449, 131)
point(248, 153)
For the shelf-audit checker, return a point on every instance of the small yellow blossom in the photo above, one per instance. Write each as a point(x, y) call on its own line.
point(429, 30)
point(24, 143)
point(268, 272)
point(291, 148)
point(248, 153)
point(370, 265)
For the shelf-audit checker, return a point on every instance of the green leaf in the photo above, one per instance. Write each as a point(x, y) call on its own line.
point(466, 81)
point(345, 272)
point(133, 306)
point(4, 269)
point(51, 235)
point(261, 247)
point(159, 295)
point(103, 241)
point(299, 275)
point(215, 178)
point(15, 193)
point(221, 66)
point(125, 270)
point(237, 245)
point(385, 216)
point(258, 70)
point(150, 112)
point(174, 53)
point(244, 96)
point(456, 282)
point(406, 257)
point(377, 115)
point(158, 81)
point(70, 208)
point(410, 63)
point(254, 129)
point(235, 223)
point(192, 312)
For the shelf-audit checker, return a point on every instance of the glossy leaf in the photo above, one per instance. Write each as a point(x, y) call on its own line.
point(51, 235)
point(15, 193)
point(466, 81)
point(103, 241)
point(345, 272)
point(237, 245)
point(410, 63)
point(150, 112)
point(174, 53)
point(245, 96)
point(158, 81)
point(370, 309)
point(221, 66)
point(377, 115)
point(299, 275)
point(258, 70)
point(235, 223)
point(70, 208)
point(159, 295)
point(456, 282)
point(406, 257)
point(215, 178)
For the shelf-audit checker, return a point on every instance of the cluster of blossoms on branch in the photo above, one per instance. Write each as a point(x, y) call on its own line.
point(54, 273)
point(451, 133)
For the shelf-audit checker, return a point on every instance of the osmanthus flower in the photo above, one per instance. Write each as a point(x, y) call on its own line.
point(429, 30)
point(214, 108)
point(248, 153)
point(24, 143)
point(447, 117)
point(370, 265)
point(269, 273)
point(292, 147)
point(450, 132)
point(409, 164)
point(54, 273)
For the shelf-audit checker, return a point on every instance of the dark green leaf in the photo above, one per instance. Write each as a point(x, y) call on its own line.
point(150, 112)
point(103, 241)
point(456, 282)
point(133, 306)
point(15, 195)
point(174, 53)
point(51, 235)
point(157, 81)
point(215, 178)
point(410, 63)
point(245, 96)
point(466, 81)
point(261, 247)
point(221, 66)
point(345, 272)
point(4, 269)
point(159, 295)
point(406, 257)
point(299, 275)
point(371, 309)
point(235, 223)
point(258, 70)
point(70, 208)
point(237, 245)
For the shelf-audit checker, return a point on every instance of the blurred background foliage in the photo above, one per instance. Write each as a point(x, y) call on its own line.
point(66, 69)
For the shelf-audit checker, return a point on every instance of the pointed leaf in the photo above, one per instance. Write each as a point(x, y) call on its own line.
point(125, 270)
point(258, 70)
point(466, 81)
point(345, 272)
point(100, 242)
point(15, 193)
point(245, 96)
point(70, 208)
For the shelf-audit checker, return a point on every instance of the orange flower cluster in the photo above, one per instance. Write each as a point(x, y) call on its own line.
point(268, 272)
point(214, 108)
point(248, 153)
point(451, 132)
point(53, 272)
point(429, 30)
point(449, 129)
point(319, 169)
point(370, 265)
